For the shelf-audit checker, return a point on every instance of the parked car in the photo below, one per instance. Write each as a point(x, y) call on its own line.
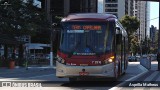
point(138, 57)
point(153, 56)
point(132, 58)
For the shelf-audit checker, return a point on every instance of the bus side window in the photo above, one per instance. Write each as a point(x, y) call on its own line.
point(118, 36)
point(118, 39)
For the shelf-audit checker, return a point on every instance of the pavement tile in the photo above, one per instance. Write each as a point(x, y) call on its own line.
point(5, 70)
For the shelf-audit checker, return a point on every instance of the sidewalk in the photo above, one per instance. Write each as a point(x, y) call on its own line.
point(5, 70)
point(150, 75)
point(149, 80)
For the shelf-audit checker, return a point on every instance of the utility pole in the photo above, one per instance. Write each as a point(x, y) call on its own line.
point(49, 17)
point(52, 39)
point(51, 52)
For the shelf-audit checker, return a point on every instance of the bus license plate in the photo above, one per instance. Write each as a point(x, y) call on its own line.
point(83, 73)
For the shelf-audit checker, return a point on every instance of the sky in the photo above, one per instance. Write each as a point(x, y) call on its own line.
point(38, 3)
point(154, 14)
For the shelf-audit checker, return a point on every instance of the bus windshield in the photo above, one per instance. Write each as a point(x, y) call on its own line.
point(86, 38)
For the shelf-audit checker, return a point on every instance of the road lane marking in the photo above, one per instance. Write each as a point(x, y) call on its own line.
point(158, 79)
point(119, 86)
point(149, 78)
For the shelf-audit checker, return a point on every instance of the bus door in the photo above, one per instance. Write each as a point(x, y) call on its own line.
point(119, 50)
point(123, 53)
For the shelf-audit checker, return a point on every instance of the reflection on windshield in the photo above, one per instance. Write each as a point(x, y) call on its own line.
point(80, 41)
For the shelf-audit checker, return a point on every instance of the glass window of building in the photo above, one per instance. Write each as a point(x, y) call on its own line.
point(111, 5)
point(108, 1)
point(111, 10)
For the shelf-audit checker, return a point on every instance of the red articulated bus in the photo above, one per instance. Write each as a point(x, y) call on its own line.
point(91, 45)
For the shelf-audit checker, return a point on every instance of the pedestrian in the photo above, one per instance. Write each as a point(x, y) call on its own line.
point(158, 59)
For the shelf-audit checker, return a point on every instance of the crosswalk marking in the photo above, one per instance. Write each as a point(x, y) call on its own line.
point(151, 76)
point(158, 79)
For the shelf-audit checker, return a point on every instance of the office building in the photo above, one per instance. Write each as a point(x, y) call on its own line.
point(64, 7)
point(153, 35)
point(141, 11)
point(116, 7)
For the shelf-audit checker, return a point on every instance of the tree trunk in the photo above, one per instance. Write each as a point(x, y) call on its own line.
point(20, 60)
point(56, 41)
point(5, 61)
point(129, 42)
point(5, 51)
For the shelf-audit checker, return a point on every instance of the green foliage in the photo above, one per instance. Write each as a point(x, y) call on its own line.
point(22, 18)
point(149, 47)
point(130, 23)
point(58, 17)
point(134, 44)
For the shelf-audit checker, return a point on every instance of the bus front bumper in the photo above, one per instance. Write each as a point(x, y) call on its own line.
point(74, 71)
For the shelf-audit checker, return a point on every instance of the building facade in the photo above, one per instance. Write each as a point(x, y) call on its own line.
point(62, 8)
point(129, 7)
point(153, 35)
point(141, 11)
point(116, 7)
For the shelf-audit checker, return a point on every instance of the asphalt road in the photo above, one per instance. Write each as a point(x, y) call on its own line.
point(49, 80)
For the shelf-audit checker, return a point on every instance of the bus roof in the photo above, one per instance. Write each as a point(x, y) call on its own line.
point(89, 17)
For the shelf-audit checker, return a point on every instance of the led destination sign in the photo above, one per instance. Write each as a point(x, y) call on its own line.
point(86, 27)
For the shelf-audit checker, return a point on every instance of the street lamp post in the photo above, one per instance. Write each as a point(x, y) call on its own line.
point(51, 39)
point(51, 51)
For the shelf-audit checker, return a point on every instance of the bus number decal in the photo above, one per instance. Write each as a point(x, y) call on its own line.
point(96, 62)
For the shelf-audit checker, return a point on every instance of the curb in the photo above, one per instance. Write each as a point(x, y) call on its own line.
point(42, 67)
point(23, 69)
point(118, 87)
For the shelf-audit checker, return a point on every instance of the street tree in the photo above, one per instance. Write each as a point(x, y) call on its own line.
point(23, 17)
point(147, 46)
point(134, 44)
point(131, 24)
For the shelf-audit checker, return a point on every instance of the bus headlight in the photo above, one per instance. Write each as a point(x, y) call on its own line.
point(61, 60)
point(109, 60)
